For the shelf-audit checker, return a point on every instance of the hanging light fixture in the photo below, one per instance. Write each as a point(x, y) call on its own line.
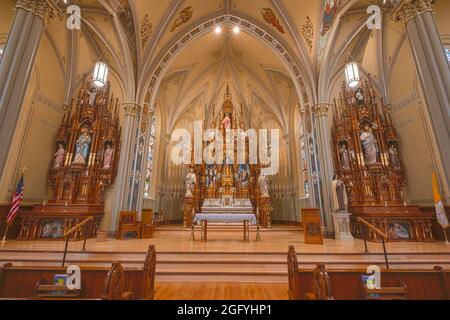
point(100, 74)
point(352, 74)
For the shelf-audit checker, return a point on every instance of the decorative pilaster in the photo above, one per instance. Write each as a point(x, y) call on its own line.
point(132, 111)
point(17, 65)
point(145, 130)
point(321, 112)
point(434, 74)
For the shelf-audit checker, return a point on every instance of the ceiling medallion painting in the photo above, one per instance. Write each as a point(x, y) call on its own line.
point(271, 18)
point(184, 17)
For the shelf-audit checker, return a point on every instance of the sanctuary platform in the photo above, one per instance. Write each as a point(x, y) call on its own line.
point(225, 258)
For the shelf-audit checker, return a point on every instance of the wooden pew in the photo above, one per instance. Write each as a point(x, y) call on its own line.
point(20, 282)
point(346, 283)
point(321, 285)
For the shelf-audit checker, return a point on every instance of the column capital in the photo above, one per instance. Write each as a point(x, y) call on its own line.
point(321, 109)
point(132, 109)
point(406, 10)
point(44, 9)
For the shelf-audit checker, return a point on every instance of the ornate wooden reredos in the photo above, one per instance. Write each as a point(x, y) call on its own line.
point(366, 149)
point(87, 148)
point(367, 159)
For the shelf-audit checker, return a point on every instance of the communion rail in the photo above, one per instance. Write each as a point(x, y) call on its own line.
point(383, 236)
point(72, 231)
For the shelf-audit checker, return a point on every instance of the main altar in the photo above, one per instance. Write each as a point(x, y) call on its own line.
point(83, 167)
point(228, 188)
point(367, 159)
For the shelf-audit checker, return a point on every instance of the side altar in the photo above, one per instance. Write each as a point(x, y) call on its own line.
point(367, 159)
point(230, 187)
point(84, 166)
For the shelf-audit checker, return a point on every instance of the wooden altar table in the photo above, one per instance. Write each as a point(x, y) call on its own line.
point(225, 218)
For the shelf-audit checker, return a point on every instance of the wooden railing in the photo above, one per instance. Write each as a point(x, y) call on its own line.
point(380, 233)
point(72, 231)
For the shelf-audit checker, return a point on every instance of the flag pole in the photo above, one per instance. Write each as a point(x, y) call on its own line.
point(446, 237)
point(6, 232)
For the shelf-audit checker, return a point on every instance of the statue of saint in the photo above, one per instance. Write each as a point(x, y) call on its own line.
point(243, 175)
point(227, 122)
point(92, 95)
point(369, 145)
point(359, 97)
point(263, 185)
point(393, 156)
point(191, 181)
point(340, 200)
point(107, 158)
point(345, 157)
point(82, 147)
point(59, 157)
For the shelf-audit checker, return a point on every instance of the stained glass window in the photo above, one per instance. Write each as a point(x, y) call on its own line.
point(447, 53)
point(151, 149)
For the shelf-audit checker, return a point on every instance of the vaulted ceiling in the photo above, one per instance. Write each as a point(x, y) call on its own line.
point(133, 37)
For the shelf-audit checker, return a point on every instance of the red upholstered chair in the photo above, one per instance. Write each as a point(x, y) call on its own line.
point(129, 227)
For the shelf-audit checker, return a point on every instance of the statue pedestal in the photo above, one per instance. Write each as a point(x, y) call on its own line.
point(342, 226)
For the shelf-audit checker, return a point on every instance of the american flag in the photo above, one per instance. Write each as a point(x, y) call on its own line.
point(18, 196)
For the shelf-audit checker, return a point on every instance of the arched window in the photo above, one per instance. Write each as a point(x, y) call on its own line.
point(447, 53)
point(151, 149)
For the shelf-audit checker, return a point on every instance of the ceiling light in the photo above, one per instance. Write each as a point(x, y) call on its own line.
point(100, 74)
point(218, 30)
point(236, 30)
point(352, 74)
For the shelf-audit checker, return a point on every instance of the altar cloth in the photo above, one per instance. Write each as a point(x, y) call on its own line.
point(225, 218)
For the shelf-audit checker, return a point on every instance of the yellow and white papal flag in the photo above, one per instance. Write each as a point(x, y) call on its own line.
point(440, 210)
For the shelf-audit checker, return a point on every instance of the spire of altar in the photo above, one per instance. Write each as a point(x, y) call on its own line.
point(228, 104)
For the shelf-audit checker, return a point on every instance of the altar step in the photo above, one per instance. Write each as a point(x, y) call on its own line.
point(224, 267)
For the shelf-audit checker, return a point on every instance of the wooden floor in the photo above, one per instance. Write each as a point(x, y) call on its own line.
point(221, 291)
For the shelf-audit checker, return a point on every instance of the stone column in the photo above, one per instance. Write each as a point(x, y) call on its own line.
point(17, 65)
point(322, 128)
point(132, 111)
point(434, 74)
point(143, 169)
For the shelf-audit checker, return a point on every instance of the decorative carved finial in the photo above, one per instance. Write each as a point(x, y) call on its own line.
point(406, 10)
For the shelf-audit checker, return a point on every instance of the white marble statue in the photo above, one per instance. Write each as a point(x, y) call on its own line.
point(107, 158)
point(340, 200)
point(82, 147)
point(345, 157)
point(59, 157)
point(263, 185)
point(227, 122)
point(191, 181)
point(369, 145)
point(393, 156)
point(92, 95)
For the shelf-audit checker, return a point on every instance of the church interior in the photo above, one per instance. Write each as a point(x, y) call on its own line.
point(225, 149)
